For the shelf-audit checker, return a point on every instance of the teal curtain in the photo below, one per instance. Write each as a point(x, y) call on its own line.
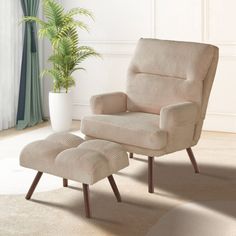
point(29, 111)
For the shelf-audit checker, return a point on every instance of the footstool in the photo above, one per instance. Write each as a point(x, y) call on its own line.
point(70, 157)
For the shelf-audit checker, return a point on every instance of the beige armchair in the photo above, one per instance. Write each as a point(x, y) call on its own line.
point(163, 109)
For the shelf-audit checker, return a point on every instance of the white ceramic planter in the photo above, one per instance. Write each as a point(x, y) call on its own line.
point(60, 108)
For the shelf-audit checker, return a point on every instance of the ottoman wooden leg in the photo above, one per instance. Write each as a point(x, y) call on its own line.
point(114, 188)
point(86, 200)
point(150, 174)
point(131, 155)
point(65, 182)
point(33, 186)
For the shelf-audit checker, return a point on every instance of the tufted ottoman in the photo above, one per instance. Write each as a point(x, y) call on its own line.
point(70, 157)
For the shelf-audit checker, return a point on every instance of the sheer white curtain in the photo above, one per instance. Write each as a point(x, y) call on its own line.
point(10, 60)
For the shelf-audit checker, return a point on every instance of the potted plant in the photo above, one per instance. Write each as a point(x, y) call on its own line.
point(60, 27)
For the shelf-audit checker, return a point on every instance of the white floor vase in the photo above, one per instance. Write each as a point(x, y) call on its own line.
point(60, 107)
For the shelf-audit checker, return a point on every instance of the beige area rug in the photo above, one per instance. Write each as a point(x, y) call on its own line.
point(204, 203)
point(206, 218)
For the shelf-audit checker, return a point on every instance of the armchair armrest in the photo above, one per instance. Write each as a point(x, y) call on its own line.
point(180, 114)
point(109, 103)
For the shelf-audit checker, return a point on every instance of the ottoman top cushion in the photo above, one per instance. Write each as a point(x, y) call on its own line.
point(91, 161)
point(40, 155)
point(69, 156)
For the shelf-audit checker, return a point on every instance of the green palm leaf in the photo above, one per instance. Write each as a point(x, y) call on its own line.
point(34, 19)
point(61, 29)
point(79, 11)
point(53, 12)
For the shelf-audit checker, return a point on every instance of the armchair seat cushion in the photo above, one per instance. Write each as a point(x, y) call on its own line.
point(131, 128)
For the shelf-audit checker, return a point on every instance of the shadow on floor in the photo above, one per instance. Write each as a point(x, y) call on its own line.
point(178, 180)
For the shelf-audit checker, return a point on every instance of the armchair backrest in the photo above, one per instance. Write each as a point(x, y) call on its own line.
point(166, 72)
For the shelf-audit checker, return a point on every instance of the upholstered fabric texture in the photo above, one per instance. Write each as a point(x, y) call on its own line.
point(133, 128)
point(168, 87)
point(92, 161)
point(85, 162)
point(170, 72)
point(109, 103)
point(65, 139)
point(40, 155)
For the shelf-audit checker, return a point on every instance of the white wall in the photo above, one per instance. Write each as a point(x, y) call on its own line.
point(120, 23)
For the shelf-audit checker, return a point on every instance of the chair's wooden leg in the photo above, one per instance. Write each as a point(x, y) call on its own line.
point(33, 185)
point(114, 188)
point(193, 160)
point(131, 155)
point(150, 174)
point(65, 182)
point(86, 200)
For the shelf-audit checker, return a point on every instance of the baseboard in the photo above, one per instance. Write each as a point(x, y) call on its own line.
point(224, 122)
point(80, 110)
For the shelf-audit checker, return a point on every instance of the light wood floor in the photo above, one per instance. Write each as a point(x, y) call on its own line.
point(14, 132)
